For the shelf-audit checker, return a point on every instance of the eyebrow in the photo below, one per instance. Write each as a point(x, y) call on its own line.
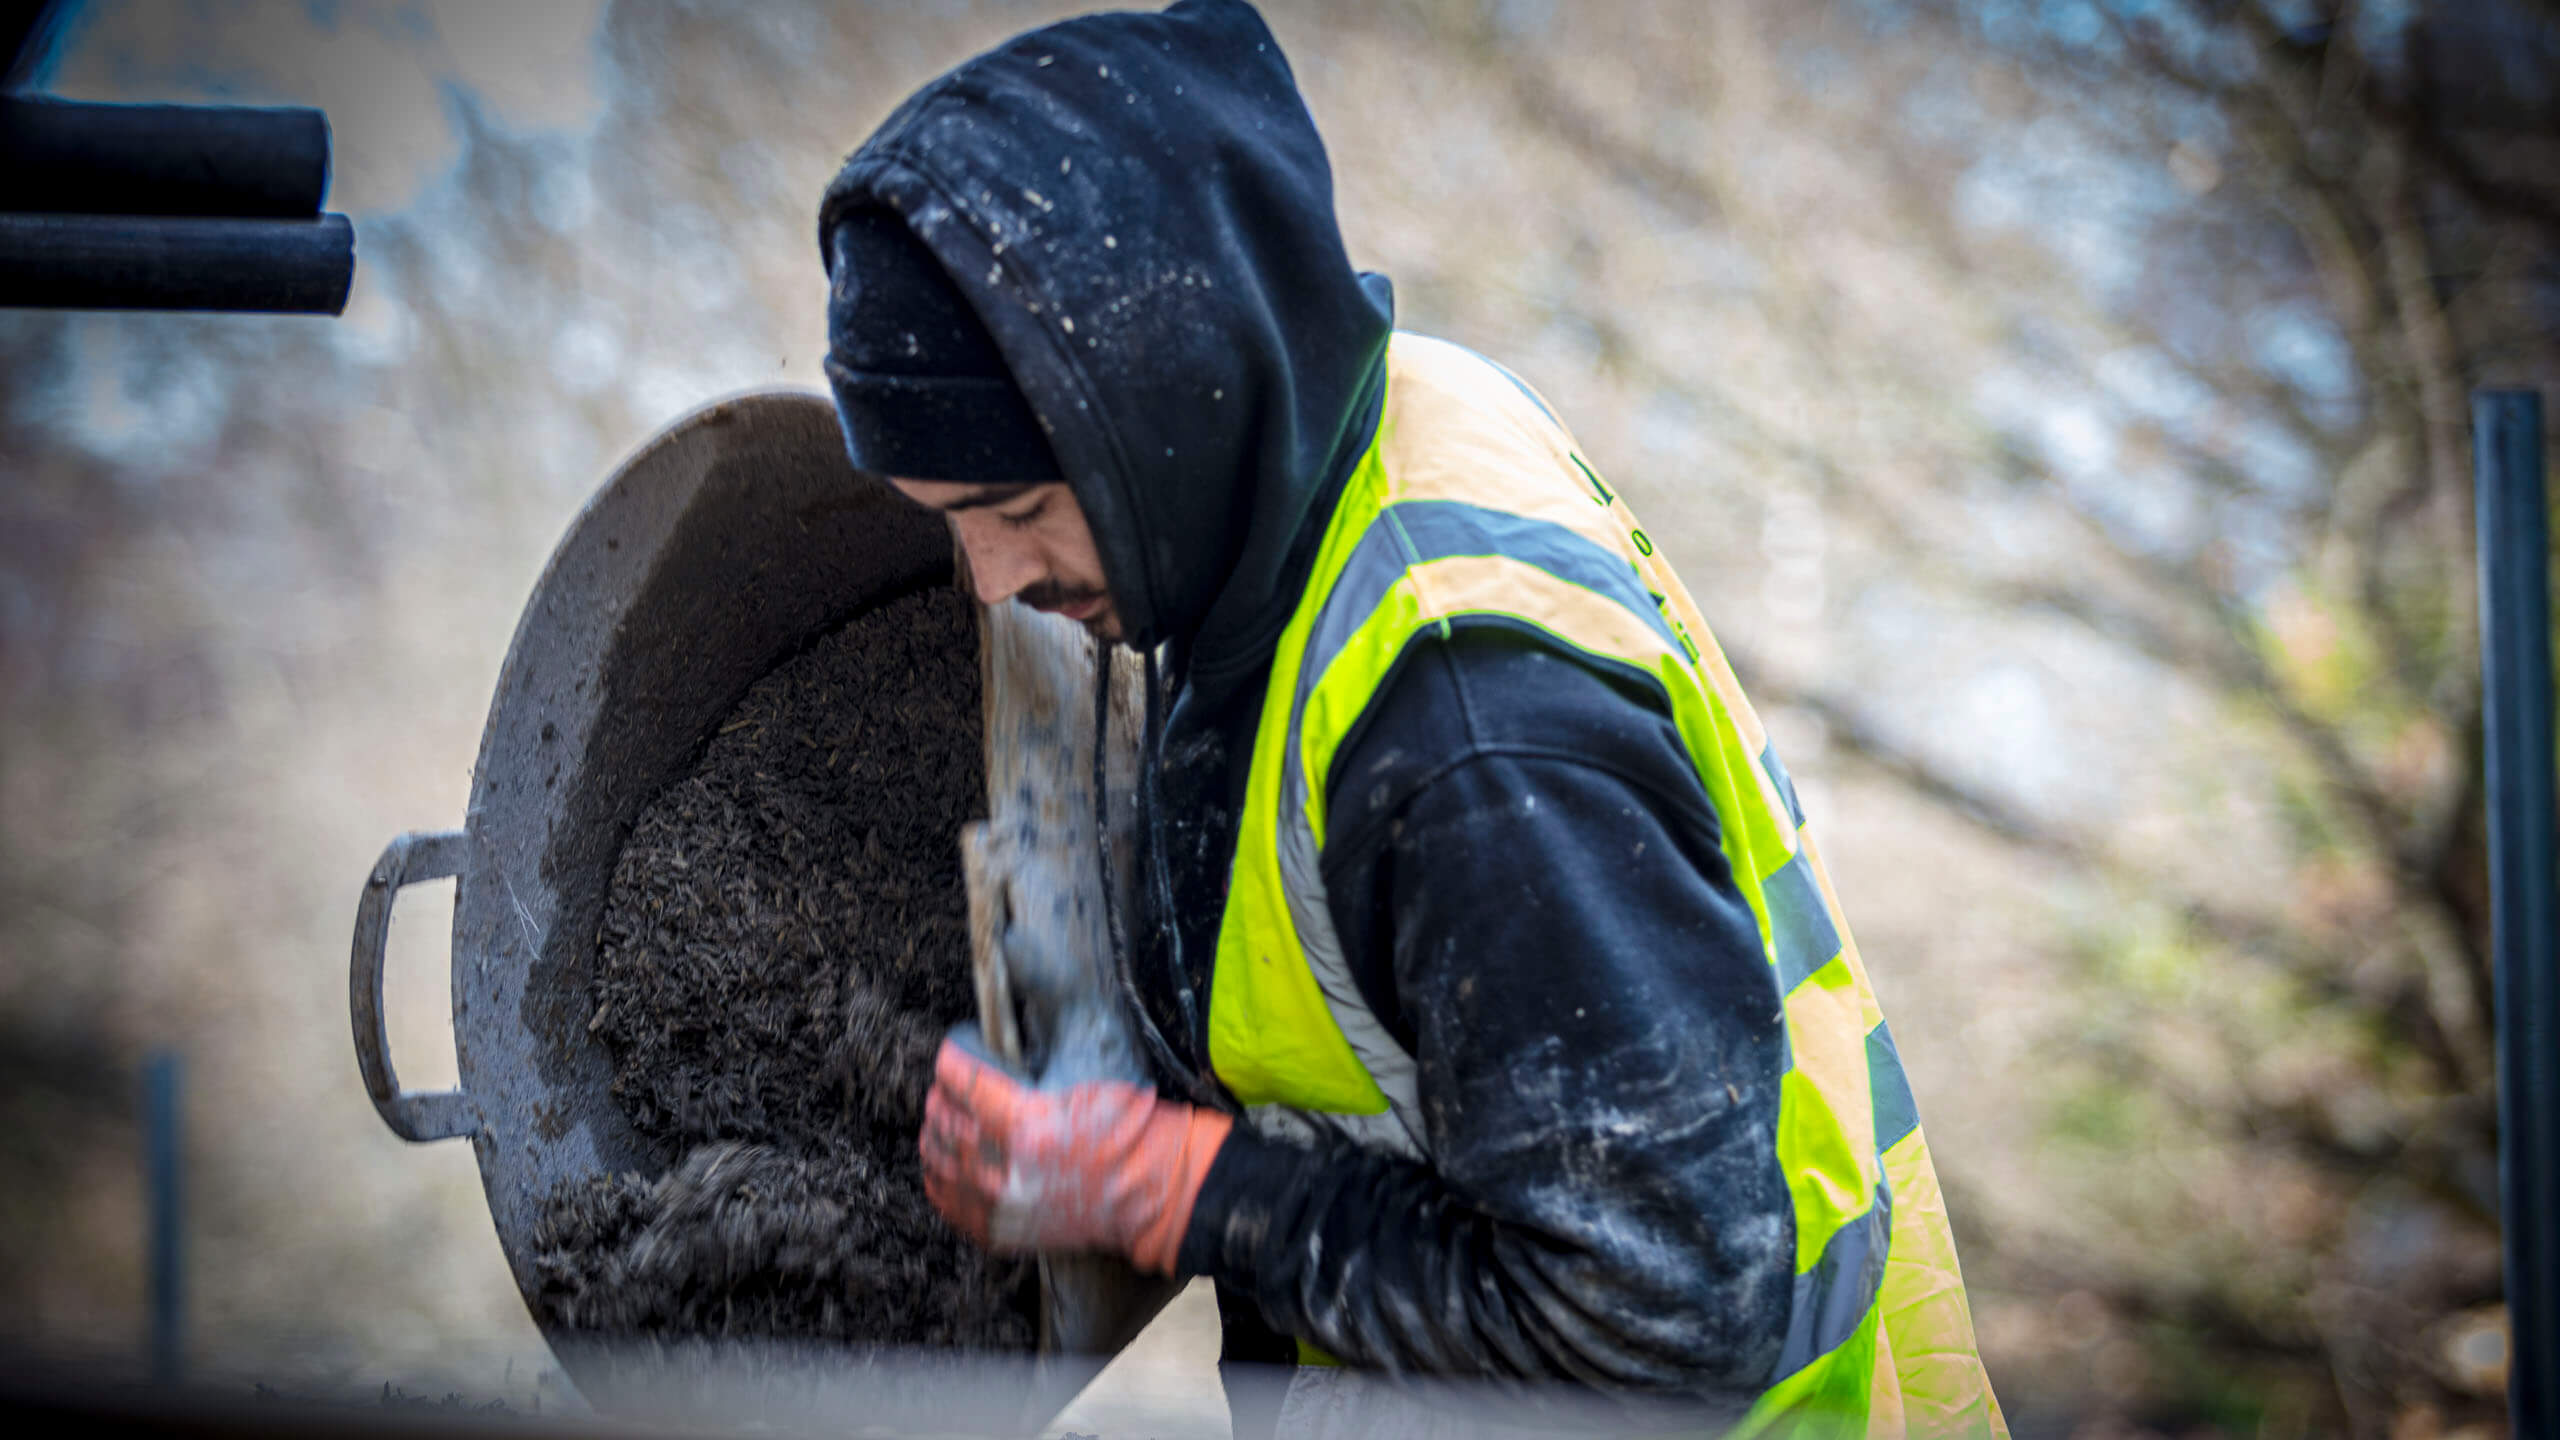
point(988, 495)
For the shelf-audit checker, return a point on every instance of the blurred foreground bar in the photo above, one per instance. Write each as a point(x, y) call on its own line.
point(2515, 653)
point(137, 262)
point(164, 1150)
point(69, 158)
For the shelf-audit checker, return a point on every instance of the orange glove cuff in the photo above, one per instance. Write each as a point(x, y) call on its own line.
point(1182, 1142)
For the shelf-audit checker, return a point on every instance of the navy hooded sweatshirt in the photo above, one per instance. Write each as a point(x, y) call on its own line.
point(1523, 867)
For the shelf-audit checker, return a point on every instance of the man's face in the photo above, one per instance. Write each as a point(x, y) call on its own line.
point(1028, 541)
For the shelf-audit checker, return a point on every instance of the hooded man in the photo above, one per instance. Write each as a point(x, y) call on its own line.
point(1509, 1028)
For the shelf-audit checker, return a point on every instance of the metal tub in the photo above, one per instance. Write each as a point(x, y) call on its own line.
point(727, 543)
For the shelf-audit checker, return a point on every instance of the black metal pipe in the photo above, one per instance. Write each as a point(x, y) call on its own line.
point(2515, 651)
point(124, 262)
point(63, 157)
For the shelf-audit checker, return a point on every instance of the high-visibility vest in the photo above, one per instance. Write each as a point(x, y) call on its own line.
point(1473, 501)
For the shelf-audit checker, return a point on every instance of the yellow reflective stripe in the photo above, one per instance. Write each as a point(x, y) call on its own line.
point(1493, 585)
point(1488, 439)
point(1826, 1400)
point(1936, 1364)
point(1466, 429)
point(1436, 372)
point(1272, 1038)
point(1412, 533)
point(1754, 840)
point(1482, 443)
point(1362, 496)
point(1300, 861)
point(1826, 1133)
point(1885, 1418)
point(1833, 1299)
point(1913, 1367)
point(1712, 667)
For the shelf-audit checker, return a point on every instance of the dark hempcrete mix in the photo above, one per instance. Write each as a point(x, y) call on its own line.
point(784, 942)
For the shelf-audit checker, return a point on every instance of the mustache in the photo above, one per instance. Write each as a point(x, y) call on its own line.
point(1052, 595)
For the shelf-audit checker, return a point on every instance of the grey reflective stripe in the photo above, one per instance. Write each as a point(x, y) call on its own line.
point(1786, 783)
point(1310, 914)
point(1834, 1296)
point(1889, 1090)
point(1400, 537)
point(1419, 531)
point(1386, 1131)
point(1800, 927)
point(1302, 873)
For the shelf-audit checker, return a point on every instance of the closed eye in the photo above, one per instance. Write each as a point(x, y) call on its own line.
point(1024, 519)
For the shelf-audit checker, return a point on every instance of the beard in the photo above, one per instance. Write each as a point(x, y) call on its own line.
point(1057, 595)
point(1053, 595)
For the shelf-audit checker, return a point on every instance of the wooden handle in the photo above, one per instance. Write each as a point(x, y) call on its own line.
point(987, 915)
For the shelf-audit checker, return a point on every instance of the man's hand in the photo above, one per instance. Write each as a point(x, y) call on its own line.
point(1099, 1166)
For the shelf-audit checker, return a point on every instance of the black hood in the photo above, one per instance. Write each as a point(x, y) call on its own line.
point(1140, 210)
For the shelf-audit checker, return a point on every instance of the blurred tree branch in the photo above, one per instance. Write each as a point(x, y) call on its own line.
point(2225, 651)
point(2333, 162)
point(2333, 171)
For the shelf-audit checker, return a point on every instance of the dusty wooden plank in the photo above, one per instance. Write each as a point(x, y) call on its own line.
point(1040, 935)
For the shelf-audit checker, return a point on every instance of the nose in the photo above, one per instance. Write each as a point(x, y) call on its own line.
point(1001, 563)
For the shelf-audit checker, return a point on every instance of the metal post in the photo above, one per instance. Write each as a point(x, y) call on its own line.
point(2515, 650)
point(163, 1127)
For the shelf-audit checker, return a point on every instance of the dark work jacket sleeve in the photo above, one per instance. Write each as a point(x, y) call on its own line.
point(1525, 874)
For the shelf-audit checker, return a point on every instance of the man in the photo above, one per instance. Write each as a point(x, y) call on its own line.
point(1509, 1029)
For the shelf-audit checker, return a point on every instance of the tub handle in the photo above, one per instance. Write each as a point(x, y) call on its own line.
point(416, 856)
